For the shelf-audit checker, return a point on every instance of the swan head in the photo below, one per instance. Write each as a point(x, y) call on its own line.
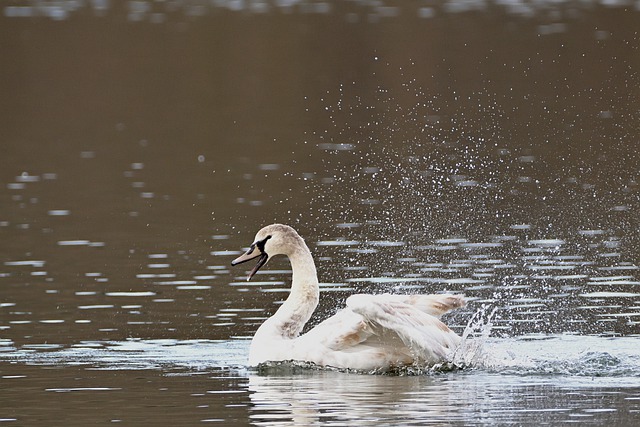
point(272, 240)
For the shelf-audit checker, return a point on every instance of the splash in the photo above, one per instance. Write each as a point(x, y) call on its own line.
point(472, 349)
point(570, 355)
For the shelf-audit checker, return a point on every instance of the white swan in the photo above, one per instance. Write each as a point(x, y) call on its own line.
point(372, 332)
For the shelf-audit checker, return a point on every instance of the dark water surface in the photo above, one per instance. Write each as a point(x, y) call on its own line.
point(483, 148)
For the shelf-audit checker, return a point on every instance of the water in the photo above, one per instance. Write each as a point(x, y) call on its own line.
point(444, 147)
point(553, 379)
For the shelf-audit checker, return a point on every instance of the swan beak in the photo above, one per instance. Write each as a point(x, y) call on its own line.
point(248, 256)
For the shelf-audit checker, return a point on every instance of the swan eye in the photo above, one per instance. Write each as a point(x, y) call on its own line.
point(260, 244)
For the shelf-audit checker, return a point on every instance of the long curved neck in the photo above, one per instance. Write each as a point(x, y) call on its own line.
point(294, 313)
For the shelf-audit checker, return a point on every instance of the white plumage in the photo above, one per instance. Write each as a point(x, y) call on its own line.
point(371, 332)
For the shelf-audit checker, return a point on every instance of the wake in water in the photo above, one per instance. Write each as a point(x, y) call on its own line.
point(572, 355)
point(545, 354)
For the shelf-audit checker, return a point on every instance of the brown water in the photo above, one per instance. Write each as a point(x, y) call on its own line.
point(490, 149)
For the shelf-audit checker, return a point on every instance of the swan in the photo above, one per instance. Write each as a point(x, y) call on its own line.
point(372, 332)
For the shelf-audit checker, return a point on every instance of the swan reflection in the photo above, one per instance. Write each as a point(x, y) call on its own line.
point(333, 398)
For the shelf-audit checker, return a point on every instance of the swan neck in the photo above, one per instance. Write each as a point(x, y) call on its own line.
point(303, 298)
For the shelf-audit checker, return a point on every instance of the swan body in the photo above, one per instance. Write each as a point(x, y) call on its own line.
point(371, 332)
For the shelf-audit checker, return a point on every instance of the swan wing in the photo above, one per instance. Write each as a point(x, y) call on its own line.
point(426, 337)
point(348, 340)
point(376, 331)
point(341, 331)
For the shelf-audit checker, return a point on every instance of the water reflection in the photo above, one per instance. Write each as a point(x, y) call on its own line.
point(338, 399)
point(332, 398)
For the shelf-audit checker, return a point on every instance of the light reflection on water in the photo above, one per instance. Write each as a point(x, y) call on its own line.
point(536, 285)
